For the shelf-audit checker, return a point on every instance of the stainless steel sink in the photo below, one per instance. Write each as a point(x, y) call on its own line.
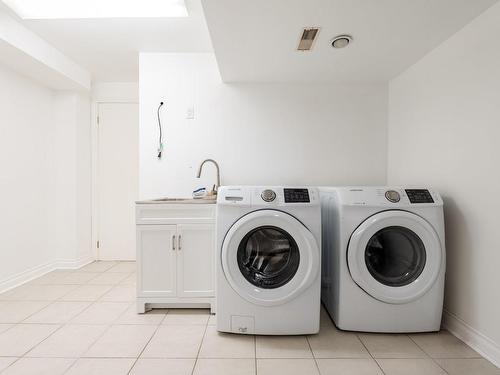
point(180, 200)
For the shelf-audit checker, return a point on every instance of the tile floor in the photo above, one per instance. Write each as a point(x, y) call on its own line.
point(84, 322)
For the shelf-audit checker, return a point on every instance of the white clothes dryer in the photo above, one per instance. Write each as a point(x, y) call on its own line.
point(383, 258)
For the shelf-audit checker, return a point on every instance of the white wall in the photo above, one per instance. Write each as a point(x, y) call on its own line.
point(115, 92)
point(444, 131)
point(25, 137)
point(71, 183)
point(282, 134)
point(44, 179)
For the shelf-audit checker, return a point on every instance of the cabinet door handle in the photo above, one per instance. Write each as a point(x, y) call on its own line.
point(173, 242)
point(179, 243)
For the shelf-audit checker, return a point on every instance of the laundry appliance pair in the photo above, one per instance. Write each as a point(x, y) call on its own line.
point(376, 256)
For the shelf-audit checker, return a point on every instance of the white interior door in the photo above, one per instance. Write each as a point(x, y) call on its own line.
point(117, 175)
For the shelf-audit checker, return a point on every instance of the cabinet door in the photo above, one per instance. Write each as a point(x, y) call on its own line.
point(195, 260)
point(156, 260)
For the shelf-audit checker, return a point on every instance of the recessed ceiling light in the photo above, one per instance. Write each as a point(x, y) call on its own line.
point(341, 41)
point(74, 9)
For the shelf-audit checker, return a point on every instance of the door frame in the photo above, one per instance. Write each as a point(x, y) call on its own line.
point(94, 130)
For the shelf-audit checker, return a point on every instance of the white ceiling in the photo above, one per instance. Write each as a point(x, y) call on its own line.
point(257, 40)
point(109, 48)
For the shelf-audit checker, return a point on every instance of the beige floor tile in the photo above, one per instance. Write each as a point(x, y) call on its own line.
point(150, 366)
point(282, 347)
point(101, 366)
point(187, 316)
point(121, 293)
point(39, 366)
point(58, 312)
point(469, 366)
point(78, 278)
point(130, 280)
point(101, 313)
point(87, 293)
point(213, 366)
point(71, 341)
point(342, 366)
point(5, 327)
point(226, 345)
point(443, 345)
point(286, 367)
point(108, 278)
point(175, 342)
point(212, 321)
point(332, 343)
point(98, 266)
point(51, 278)
point(21, 338)
point(391, 346)
point(6, 362)
point(31, 292)
point(122, 341)
point(153, 317)
point(410, 366)
point(17, 311)
point(125, 267)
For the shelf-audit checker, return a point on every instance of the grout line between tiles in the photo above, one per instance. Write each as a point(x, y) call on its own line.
point(144, 348)
point(199, 348)
point(428, 355)
point(255, 352)
point(312, 352)
point(371, 355)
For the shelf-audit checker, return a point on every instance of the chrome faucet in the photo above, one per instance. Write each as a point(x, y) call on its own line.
point(218, 172)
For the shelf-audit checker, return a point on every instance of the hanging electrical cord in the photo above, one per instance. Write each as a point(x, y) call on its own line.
point(160, 139)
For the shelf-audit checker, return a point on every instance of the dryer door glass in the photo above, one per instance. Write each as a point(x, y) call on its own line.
point(395, 256)
point(268, 257)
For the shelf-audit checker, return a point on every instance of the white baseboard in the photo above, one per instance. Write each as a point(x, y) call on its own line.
point(38, 271)
point(73, 264)
point(475, 339)
point(25, 276)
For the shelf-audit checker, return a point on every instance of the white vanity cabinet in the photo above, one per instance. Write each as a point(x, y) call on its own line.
point(175, 255)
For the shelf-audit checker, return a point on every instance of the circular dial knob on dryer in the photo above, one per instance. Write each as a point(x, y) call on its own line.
point(268, 195)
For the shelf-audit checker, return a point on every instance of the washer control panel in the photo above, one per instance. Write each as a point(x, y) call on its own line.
point(296, 195)
point(268, 195)
point(419, 196)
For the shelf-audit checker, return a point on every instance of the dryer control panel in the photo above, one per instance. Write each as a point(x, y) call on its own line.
point(388, 196)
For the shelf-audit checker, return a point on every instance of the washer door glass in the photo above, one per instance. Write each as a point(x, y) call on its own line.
point(395, 256)
point(268, 257)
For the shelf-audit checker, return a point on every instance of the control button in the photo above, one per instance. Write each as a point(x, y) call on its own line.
point(268, 195)
point(392, 196)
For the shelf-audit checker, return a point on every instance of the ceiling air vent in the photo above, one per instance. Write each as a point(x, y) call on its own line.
point(309, 34)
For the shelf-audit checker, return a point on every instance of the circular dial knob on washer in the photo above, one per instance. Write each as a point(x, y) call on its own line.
point(268, 195)
point(392, 196)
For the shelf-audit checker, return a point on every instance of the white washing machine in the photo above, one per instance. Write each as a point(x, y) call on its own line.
point(383, 265)
point(268, 260)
